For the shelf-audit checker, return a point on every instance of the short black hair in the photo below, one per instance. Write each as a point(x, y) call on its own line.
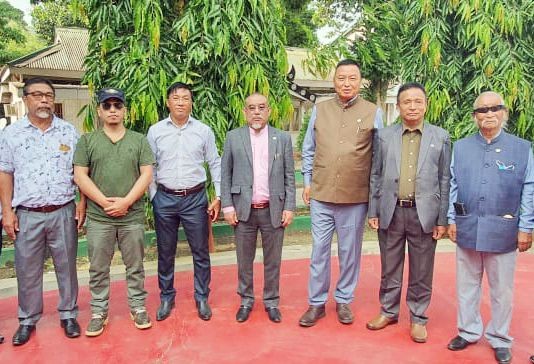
point(409, 85)
point(35, 81)
point(347, 62)
point(177, 85)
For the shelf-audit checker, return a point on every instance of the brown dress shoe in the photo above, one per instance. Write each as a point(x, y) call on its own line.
point(381, 321)
point(418, 333)
point(311, 316)
point(344, 314)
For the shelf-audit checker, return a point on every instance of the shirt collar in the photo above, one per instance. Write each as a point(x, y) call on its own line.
point(346, 105)
point(260, 133)
point(418, 127)
point(495, 138)
point(27, 124)
point(190, 120)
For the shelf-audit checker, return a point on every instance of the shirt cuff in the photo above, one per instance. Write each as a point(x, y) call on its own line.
point(452, 221)
point(307, 179)
point(152, 189)
point(217, 186)
point(525, 230)
point(228, 209)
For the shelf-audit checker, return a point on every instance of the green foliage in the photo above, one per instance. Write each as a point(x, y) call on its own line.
point(378, 53)
point(461, 48)
point(335, 12)
point(302, 131)
point(47, 15)
point(226, 50)
point(14, 50)
point(298, 21)
point(11, 20)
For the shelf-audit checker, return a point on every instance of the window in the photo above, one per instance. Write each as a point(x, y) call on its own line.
point(58, 110)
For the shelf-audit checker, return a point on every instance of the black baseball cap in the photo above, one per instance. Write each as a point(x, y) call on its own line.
point(110, 93)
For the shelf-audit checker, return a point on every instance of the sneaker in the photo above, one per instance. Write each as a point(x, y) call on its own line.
point(96, 325)
point(140, 318)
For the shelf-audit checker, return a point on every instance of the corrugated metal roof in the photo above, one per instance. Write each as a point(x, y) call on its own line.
point(67, 54)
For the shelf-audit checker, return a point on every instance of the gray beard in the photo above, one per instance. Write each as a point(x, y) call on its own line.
point(43, 114)
point(256, 126)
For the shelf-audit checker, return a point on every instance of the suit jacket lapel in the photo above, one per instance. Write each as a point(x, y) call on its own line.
point(273, 141)
point(397, 147)
point(245, 137)
point(426, 138)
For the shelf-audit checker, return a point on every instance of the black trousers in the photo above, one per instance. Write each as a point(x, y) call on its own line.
point(190, 211)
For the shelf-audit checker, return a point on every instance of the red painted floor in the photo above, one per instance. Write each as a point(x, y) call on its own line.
point(183, 338)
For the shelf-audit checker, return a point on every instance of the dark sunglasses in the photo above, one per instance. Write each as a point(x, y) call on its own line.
point(484, 110)
point(107, 105)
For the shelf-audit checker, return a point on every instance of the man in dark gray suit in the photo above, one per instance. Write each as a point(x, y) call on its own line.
point(408, 202)
point(258, 193)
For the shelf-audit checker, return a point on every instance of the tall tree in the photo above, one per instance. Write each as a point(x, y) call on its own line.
point(460, 48)
point(47, 15)
point(226, 50)
point(11, 20)
point(299, 23)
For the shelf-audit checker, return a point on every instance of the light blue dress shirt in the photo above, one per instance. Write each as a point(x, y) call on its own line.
point(180, 154)
point(40, 161)
point(308, 146)
point(526, 214)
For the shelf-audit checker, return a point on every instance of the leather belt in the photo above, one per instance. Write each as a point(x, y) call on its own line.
point(182, 192)
point(45, 209)
point(406, 203)
point(260, 205)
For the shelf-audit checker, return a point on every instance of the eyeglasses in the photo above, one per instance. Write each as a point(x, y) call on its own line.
point(107, 105)
point(484, 110)
point(39, 95)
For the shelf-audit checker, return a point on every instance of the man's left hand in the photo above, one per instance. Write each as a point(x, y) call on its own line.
point(438, 232)
point(524, 241)
point(118, 208)
point(287, 217)
point(80, 214)
point(213, 209)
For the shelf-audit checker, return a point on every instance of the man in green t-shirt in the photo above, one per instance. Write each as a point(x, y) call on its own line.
point(113, 168)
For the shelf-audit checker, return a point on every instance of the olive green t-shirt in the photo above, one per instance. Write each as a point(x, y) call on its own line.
point(114, 168)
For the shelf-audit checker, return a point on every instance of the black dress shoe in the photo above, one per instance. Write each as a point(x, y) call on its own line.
point(458, 343)
point(503, 355)
point(532, 359)
point(164, 310)
point(204, 310)
point(1, 339)
point(22, 335)
point(243, 313)
point(71, 327)
point(274, 314)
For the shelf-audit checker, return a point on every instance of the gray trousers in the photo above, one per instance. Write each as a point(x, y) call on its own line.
point(405, 227)
point(246, 233)
point(347, 221)
point(101, 239)
point(500, 268)
point(57, 231)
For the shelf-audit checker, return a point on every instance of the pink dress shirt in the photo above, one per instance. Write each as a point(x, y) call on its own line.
point(260, 165)
point(260, 157)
